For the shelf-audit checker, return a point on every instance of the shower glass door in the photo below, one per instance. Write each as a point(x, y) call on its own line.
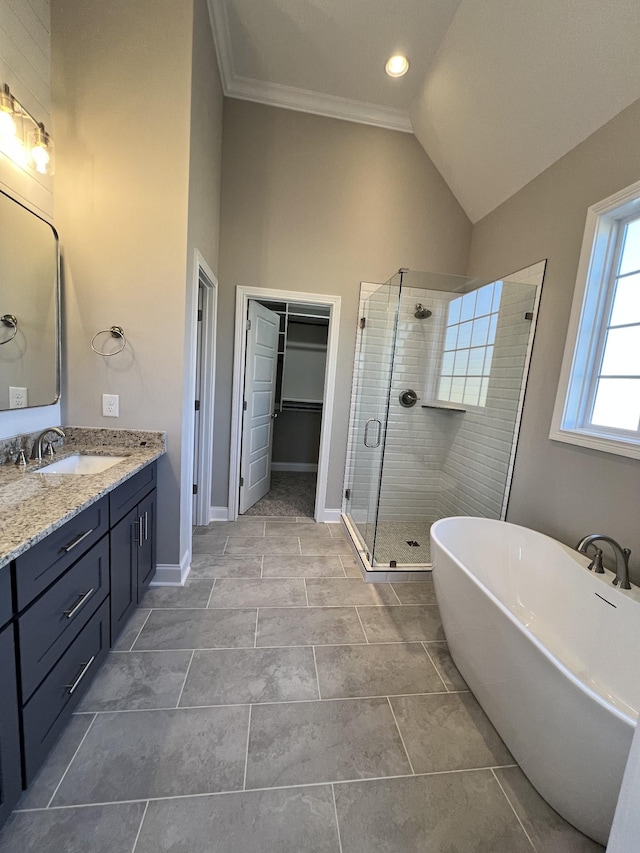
point(374, 363)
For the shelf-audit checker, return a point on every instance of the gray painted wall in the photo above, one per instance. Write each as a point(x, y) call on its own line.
point(319, 205)
point(129, 161)
point(561, 489)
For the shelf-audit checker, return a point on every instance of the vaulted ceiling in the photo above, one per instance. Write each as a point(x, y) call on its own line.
point(497, 90)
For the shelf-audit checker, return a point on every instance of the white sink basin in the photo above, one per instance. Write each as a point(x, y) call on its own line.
point(81, 464)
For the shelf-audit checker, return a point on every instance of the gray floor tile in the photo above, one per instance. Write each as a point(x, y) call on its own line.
point(131, 630)
point(258, 592)
point(376, 670)
point(197, 629)
point(302, 567)
point(285, 821)
point(243, 526)
point(549, 832)
point(308, 626)
point(439, 654)
point(41, 789)
point(212, 566)
point(330, 592)
point(195, 593)
point(308, 742)
point(448, 731)
point(447, 813)
point(145, 754)
point(99, 829)
point(337, 531)
point(401, 624)
point(292, 528)
point(312, 547)
point(351, 567)
point(237, 676)
point(238, 545)
point(210, 544)
point(415, 593)
point(135, 680)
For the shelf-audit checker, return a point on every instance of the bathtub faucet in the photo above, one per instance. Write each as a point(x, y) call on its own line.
point(622, 556)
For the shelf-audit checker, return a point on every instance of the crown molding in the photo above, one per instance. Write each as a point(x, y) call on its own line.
point(222, 42)
point(290, 97)
point(302, 100)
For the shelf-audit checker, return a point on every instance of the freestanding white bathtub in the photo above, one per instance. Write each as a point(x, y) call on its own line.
point(550, 651)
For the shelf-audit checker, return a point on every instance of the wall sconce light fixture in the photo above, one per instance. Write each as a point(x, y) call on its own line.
point(23, 139)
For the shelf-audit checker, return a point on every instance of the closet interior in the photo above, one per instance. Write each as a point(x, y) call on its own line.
point(302, 355)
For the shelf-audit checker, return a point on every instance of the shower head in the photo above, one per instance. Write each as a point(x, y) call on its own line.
point(421, 313)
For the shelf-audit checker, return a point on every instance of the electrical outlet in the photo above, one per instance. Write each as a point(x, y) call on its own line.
point(17, 397)
point(111, 405)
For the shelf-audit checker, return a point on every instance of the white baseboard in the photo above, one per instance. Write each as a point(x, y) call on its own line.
point(219, 513)
point(294, 466)
point(330, 516)
point(173, 574)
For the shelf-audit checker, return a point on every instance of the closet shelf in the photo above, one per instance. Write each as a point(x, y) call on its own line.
point(292, 405)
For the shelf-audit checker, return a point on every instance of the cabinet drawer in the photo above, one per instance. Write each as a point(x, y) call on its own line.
point(6, 603)
point(41, 565)
point(10, 772)
point(46, 713)
point(49, 625)
point(126, 496)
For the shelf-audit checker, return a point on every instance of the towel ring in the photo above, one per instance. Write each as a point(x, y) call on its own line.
point(11, 321)
point(115, 332)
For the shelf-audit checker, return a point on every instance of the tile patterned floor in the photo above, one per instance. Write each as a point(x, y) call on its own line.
point(279, 703)
point(407, 543)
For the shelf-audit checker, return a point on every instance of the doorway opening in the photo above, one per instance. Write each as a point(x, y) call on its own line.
point(203, 342)
point(286, 355)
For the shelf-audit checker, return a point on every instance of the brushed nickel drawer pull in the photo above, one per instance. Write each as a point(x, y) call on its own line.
point(82, 601)
point(146, 526)
point(85, 667)
point(140, 531)
point(78, 540)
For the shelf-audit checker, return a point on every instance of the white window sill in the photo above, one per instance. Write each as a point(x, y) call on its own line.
point(620, 447)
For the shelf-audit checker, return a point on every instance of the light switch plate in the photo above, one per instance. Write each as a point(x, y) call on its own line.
point(17, 397)
point(111, 405)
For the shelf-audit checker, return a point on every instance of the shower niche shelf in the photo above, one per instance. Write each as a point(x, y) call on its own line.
point(443, 407)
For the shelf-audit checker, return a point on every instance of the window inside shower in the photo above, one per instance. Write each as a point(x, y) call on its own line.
point(451, 453)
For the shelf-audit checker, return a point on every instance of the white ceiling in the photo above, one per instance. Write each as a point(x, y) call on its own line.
point(497, 90)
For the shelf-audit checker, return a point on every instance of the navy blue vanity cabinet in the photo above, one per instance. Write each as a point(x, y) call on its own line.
point(133, 544)
point(61, 590)
point(46, 713)
point(10, 772)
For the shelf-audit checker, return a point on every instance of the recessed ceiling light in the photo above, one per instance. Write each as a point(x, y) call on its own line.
point(397, 66)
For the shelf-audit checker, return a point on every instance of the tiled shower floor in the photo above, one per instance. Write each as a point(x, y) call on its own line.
point(279, 703)
point(392, 540)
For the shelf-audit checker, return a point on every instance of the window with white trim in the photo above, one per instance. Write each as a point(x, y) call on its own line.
point(468, 346)
point(598, 403)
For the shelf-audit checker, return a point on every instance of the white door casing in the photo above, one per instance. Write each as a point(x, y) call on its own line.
point(244, 294)
point(259, 395)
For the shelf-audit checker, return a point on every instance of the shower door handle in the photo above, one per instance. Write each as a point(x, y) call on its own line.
point(366, 432)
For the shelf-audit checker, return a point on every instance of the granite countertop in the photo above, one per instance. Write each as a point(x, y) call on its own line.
point(33, 505)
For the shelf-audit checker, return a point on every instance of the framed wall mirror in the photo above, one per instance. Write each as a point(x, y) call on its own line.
point(29, 308)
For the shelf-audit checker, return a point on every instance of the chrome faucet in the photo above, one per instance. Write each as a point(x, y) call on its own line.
point(622, 557)
point(36, 450)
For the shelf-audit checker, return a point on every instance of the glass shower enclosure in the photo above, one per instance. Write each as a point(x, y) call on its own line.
point(438, 388)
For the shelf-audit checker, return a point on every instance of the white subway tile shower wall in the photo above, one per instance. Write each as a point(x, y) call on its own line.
point(417, 439)
point(477, 464)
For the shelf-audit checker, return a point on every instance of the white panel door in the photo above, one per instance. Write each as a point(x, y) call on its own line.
point(259, 395)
